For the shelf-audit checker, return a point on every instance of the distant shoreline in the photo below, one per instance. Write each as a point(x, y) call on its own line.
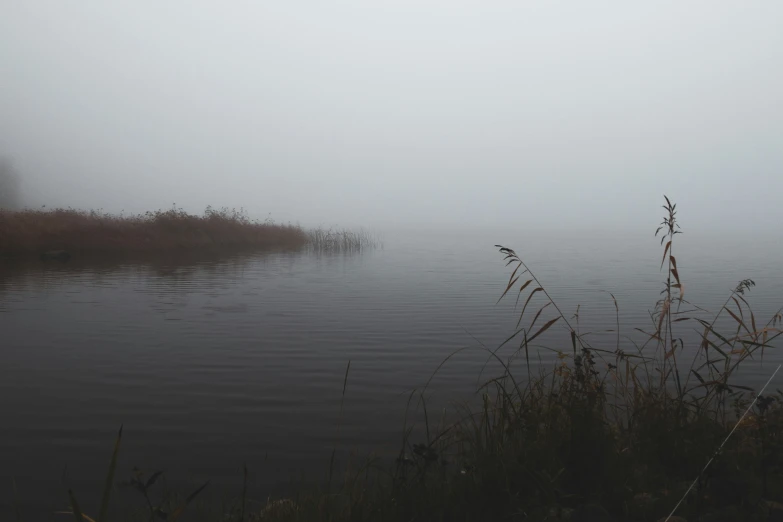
point(62, 234)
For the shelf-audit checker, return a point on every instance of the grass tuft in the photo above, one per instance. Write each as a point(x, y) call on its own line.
point(616, 432)
point(331, 240)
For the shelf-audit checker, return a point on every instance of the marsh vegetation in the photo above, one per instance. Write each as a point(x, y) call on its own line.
point(626, 431)
point(64, 233)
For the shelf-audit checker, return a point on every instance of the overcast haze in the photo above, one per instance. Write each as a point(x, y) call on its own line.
point(382, 113)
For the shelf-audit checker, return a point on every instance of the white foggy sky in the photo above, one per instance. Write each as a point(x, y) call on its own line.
point(383, 113)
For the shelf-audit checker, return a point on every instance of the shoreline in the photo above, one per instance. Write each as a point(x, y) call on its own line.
point(65, 234)
point(68, 232)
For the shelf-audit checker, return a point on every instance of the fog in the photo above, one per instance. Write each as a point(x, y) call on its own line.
point(400, 113)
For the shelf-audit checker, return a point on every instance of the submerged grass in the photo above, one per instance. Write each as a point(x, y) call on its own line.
point(62, 233)
point(625, 432)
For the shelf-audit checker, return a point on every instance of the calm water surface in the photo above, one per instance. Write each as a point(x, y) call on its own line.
point(213, 364)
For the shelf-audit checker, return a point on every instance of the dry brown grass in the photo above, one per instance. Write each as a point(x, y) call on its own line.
point(32, 232)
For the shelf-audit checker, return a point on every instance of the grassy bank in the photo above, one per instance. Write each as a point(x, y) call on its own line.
point(631, 431)
point(68, 232)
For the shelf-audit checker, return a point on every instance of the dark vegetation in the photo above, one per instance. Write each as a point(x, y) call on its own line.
point(608, 433)
point(61, 234)
point(35, 232)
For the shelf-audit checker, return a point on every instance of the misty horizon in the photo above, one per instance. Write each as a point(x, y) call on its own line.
point(391, 260)
point(400, 114)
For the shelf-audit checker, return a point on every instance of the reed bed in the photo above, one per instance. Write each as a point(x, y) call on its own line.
point(68, 232)
point(634, 431)
point(38, 231)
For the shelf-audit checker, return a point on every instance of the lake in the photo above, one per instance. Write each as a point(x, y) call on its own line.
point(210, 364)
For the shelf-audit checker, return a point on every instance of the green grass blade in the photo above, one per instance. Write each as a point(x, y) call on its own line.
point(107, 487)
point(178, 512)
point(77, 512)
point(244, 496)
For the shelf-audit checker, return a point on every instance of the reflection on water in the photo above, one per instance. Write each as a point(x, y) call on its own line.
point(215, 362)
